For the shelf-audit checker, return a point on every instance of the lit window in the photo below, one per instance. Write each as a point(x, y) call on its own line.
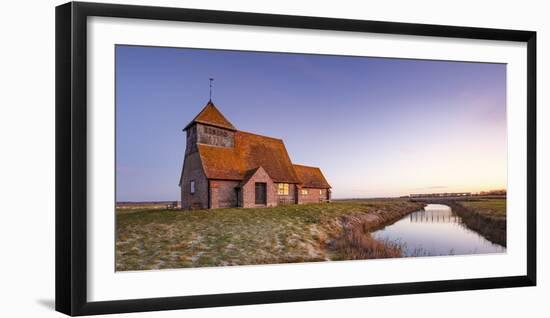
point(192, 187)
point(282, 188)
point(321, 192)
point(304, 191)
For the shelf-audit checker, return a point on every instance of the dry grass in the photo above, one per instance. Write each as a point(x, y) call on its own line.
point(155, 239)
point(356, 244)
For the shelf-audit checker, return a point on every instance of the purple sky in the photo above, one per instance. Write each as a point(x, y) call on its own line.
point(375, 126)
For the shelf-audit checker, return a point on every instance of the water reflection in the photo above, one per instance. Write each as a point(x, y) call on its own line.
point(434, 216)
point(436, 230)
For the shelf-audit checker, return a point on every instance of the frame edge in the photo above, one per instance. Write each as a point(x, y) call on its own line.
point(63, 93)
point(70, 163)
point(532, 158)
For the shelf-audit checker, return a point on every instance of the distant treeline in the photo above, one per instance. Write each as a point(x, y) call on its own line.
point(493, 192)
point(147, 204)
point(143, 202)
point(500, 192)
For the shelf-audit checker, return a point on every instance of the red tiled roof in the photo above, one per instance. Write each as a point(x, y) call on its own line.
point(250, 152)
point(249, 174)
point(311, 177)
point(210, 115)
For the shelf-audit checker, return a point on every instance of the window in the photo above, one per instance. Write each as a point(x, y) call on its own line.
point(192, 187)
point(282, 188)
point(304, 191)
point(215, 131)
point(320, 192)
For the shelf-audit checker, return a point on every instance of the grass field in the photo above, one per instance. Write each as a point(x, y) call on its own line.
point(154, 239)
point(495, 208)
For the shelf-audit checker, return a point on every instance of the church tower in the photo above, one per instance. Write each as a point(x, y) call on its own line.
point(210, 128)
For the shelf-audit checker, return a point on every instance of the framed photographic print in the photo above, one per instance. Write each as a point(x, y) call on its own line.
point(210, 158)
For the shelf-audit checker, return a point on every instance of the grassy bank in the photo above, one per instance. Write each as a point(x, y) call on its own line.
point(487, 217)
point(153, 239)
point(492, 208)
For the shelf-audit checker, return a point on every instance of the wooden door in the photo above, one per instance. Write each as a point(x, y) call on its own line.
point(261, 193)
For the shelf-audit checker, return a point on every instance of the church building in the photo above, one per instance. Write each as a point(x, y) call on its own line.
point(225, 167)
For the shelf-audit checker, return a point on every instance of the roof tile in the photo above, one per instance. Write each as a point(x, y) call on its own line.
point(210, 115)
point(311, 177)
point(250, 151)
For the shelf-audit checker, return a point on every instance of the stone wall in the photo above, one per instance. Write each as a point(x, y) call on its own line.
point(223, 194)
point(192, 171)
point(314, 195)
point(286, 199)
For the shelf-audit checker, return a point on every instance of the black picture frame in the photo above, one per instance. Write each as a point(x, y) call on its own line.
point(71, 157)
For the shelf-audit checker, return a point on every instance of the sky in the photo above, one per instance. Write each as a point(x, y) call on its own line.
point(377, 127)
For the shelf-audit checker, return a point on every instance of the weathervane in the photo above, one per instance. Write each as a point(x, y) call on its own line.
point(211, 80)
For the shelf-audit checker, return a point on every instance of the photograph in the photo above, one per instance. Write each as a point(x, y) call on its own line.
point(233, 157)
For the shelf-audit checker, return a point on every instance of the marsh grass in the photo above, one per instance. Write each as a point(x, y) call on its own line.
point(356, 244)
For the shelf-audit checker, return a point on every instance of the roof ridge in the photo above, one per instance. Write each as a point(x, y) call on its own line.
point(300, 165)
point(250, 133)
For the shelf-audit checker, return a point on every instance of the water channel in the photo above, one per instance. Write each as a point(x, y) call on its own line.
point(435, 230)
